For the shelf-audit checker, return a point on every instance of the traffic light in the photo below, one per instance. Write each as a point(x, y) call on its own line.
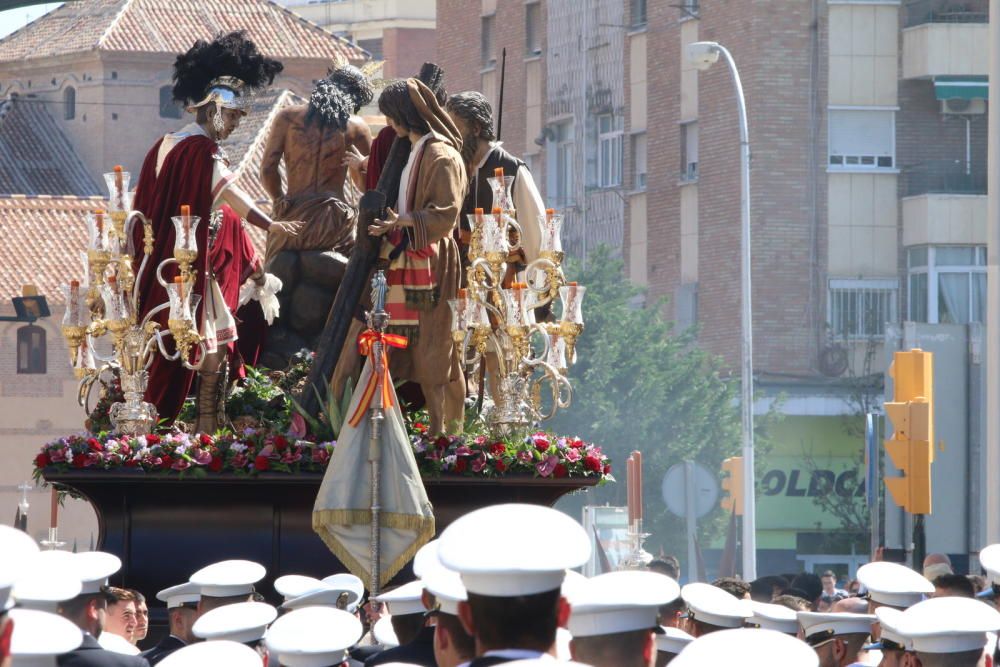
point(911, 412)
point(732, 485)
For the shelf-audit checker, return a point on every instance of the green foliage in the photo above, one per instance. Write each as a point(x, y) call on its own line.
point(640, 385)
point(332, 415)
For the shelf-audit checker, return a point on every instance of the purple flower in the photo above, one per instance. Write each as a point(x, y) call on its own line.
point(546, 467)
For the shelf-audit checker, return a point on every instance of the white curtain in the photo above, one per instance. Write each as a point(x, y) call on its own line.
point(953, 298)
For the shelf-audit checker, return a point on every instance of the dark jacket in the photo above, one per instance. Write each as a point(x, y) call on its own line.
point(418, 652)
point(167, 645)
point(90, 654)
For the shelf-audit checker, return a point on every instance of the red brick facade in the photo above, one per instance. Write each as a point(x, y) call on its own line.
point(405, 50)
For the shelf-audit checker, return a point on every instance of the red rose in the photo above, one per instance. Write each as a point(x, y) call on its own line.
point(497, 449)
point(205, 439)
point(216, 464)
point(592, 463)
point(441, 442)
point(607, 469)
point(500, 466)
point(95, 445)
point(131, 463)
point(261, 463)
point(166, 462)
point(576, 443)
point(560, 471)
point(152, 439)
point(461, 464)
point(280, 443)
point(42, 460)
point(79, 460)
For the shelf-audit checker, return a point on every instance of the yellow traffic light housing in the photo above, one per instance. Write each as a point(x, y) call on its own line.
point(732, 485)
point(911, 447)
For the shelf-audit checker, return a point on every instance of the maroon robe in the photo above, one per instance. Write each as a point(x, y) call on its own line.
point(377, 155)
point(185, 178)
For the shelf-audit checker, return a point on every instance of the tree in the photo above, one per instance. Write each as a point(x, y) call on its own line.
point(638, 384)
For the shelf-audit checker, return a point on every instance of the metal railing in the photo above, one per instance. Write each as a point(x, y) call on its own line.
point(919, 12)
point(944, 177)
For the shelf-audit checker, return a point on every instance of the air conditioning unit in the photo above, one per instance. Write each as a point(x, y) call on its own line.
point(958, 105)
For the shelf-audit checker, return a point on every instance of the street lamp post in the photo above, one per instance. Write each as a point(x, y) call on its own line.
point(703, 55)
point(992, 462)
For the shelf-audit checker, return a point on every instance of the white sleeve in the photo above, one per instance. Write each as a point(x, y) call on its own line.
point(530, 213)
point(222, 178)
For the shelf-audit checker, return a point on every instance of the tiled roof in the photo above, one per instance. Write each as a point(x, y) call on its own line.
point(36, 158)
point(42, 240)
point(171, 26)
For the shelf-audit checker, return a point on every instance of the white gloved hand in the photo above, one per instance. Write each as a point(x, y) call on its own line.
point(265, 294)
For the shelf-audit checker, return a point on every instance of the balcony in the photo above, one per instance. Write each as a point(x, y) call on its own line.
point(944, 203)
point(945, 37)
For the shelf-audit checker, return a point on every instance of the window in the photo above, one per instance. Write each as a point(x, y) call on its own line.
point(862, 139)
point(31, 350)
point(639, 161)
point(689, 151)
point(373, 46)
point(638, 13)
point(69, 103)
point(861, 308)
point(169, 108)
point(533, 28)
point(560, 165)
point(689, 9)
point(947, 284)
point(609, 151)
point(487, 53)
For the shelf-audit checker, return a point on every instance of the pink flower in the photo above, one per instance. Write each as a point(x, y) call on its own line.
point(93, 458)
point(524, 457)
point(291, 456)
point(319, 455)
point(201, 456)
point(267, 451)
point(297, 428)
point(240, 461)
point(183, 464)
point(478, 464)
point(573, 455)
point(58, 454)
point(546, 467)
point(463, 451)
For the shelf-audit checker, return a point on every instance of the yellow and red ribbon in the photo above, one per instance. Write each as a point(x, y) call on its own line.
point(366, 343)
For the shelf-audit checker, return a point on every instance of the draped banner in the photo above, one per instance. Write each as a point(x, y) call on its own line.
point(342, 513)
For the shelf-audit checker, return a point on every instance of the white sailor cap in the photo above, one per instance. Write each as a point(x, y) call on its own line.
point(313, 637)
point(989, 559)
point(291, 586)
point(673, 640)
point(228, 578)
point(17, 549)
point(94, 568)
point(180, 595)
point(211, 654)
point(948, 625)
point(820, 628)
point(513, 549)
point(773, 617)
point(573, 583)
point(324, 597)
point(544, 661)
point(426, 559)
point(620, 602)
point(890, 638)
point(384, 633)
point(754, 648)
point(893, 584)
point(47, 581)
point(39, 636)
point(447, 588)
point(714, 606)
point(406, 599)
point(241, 622)
point(115, 643)
point(346, 582)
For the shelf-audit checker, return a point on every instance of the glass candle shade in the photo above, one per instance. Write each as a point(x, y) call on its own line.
point(75, 308)
point(556, 356)
point(572, 302)
point(182, 303)
point(516, 303)
point(459, 314)
point(501, 185)
point(118, 189)
point(84, 358)
point(495, 234)
point(186, 234)
point(551, 231)
point(115, 304)
point(98, 228)
point(476, 314)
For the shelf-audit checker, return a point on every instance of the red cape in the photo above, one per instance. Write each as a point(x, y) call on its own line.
point(185, 178)
point(377, 155)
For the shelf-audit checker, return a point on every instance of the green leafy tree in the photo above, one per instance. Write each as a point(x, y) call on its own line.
point(641, 385)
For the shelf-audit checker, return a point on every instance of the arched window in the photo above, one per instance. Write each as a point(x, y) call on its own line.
point(169, 107)
point(31, 350)
point(69, 103)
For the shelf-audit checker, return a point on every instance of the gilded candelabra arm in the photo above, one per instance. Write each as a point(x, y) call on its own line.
point(562, 390)
point(490, 280)
point(159, 270)
point(148, 319)
point(511, 222)
point(87, 386)
point(550, 263)
point(185, 341)
point(93, 347)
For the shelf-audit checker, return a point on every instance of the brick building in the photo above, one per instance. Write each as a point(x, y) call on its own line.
point(867, 129)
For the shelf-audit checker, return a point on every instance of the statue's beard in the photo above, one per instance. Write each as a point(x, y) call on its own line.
point(470, 144)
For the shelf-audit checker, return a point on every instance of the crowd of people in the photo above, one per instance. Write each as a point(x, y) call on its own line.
point(499, 586)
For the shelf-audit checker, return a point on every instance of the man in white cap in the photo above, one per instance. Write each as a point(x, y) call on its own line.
point(748, 648)
point(243, 622)
point(773, 617)
point(313, 637)
point(182, 612)
point(17, 550)
point(891, 643)
point(412, 627)
point(88, 611)
point(670, 644)
point(226, 582)
point(613, 618)
point(453, 646)
point(214, 654)
point(513, 559)
point(837, 638)
point(892, 585)
point(711, 609)
point(39, 637)
point(935, 565)
point(949, 631)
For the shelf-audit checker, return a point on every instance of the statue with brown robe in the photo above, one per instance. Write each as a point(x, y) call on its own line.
point(314, 140)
